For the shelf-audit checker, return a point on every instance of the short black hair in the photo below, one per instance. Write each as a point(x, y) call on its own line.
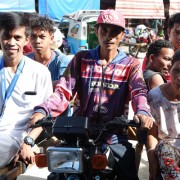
point(43, 23)
point(176, 56)
point(12, 20)
point(175, 18)
point(156, 47)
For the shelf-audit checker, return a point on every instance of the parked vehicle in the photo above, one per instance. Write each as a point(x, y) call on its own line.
point(79, 156)
point(142, 34)
point(76, 28)
point(139, 40)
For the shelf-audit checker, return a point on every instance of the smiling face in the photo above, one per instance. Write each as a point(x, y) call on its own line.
point(40, 40)
point(109, 36)
point(12, 43)
point(161, 62)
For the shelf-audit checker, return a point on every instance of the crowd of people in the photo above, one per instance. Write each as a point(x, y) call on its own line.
point(102, 81)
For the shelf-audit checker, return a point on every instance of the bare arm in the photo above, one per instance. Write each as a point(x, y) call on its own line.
point(26, 153)
point(152, 141)
point(155, 81)
point(139, 97)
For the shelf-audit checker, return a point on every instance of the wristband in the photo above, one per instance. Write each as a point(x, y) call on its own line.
point(29, 141)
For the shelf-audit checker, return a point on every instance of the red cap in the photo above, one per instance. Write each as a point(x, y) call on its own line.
point(111, 16)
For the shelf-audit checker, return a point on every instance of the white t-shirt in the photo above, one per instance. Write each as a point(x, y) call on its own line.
point(34, 77)
point(167, 116)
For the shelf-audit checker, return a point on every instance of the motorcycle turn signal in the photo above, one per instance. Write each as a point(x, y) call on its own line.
point(99, 161)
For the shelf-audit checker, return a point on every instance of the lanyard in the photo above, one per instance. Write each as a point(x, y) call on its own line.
point(7, 93)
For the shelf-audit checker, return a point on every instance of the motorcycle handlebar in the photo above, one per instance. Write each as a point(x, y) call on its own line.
point(44, 122)
point(122, 121)
point(118, 121)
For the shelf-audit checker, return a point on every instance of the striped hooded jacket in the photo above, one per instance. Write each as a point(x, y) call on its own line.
point(101, 92)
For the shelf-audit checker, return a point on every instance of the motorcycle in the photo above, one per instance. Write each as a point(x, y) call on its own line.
point(78, 156)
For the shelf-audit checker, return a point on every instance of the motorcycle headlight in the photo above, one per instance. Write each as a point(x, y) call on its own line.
point(65, 160)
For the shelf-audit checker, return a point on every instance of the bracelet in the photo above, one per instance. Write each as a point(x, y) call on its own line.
point(151, 149)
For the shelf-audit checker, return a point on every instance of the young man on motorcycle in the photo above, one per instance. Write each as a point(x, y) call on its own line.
point(23, 84)
point(104, 80)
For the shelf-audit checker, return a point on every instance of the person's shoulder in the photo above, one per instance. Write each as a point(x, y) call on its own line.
point(122, 56)
point(36, 66)
point(148, 73)
point(27, 58)
point(130, 60)
point(85, 54)
point(155, 92)
point(59, 56)
point(154, 76)
point(155, 97)
point(30, 55)
point(158, 77)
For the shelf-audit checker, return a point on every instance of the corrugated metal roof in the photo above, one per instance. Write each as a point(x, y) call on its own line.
point(139, 9)
point(174, 6)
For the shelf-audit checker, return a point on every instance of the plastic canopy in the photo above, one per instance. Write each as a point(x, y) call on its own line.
point(55, 9)
point(17, 5)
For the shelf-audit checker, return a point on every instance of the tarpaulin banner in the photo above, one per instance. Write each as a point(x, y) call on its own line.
point(55, 9)
point(17, 5)
point(141, 9)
